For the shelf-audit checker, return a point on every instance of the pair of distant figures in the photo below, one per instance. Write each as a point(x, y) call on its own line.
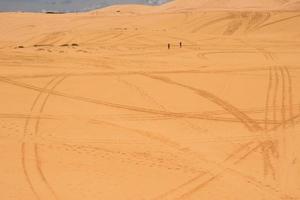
point(169, 45)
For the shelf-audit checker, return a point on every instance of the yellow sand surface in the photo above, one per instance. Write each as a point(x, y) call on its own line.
point(94, 106)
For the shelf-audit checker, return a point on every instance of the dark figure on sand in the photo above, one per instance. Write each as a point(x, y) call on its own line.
point(169, 45)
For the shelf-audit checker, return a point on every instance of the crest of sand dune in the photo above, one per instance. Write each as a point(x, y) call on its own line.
point(233, 4)
point(185, 101)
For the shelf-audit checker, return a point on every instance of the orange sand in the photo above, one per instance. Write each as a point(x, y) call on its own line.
point(118, 116)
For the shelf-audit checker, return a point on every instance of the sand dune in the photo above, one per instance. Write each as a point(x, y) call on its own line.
point(95, 106)
point(253, 5)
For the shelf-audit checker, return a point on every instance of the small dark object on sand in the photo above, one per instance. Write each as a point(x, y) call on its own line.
point(64, 45)
point(75, 45)
point(42, 45)
point(169, 45)
point(54, 12)
point(180, 44)
point(20, 47)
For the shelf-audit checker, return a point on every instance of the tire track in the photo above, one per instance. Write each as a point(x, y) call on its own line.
point(292, 119)
point(286, 112)
point(188, 123)
point(201, 116)
point(25, 148)
point(160, 106)
point(68, 96)
point(33, 171)
point(283, 99)
point(257, 20)
point(256, 110)
point(45, 102)
point(277, 21)
point(275, 93)
point(255, 127)
point(164, 161)
point(212, 22)
point(36, 134)
point(34, 88)
point(123, 73)
point(250, 124)
point(34, 104)
point(269, 148)
point(188, 188)
point(290, 89)
point(188, 153)
point(267, 145)
point(270, 86)
point(254, 146)
point(216, 175)
point(241, 116)
point(26, 116)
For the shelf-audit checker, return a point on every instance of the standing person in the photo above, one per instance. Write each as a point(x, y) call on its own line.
point(180, 44)
point(169, 46)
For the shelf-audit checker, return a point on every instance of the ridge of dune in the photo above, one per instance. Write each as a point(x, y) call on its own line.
point(231, 5)
point(204, 5)
point(125, 9)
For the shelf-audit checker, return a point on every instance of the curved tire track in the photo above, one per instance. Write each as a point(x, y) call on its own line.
point(250, 124)
point(33, 171)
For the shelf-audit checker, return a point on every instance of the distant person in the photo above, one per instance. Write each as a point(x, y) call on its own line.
point(169, 45)
point(180, 44)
